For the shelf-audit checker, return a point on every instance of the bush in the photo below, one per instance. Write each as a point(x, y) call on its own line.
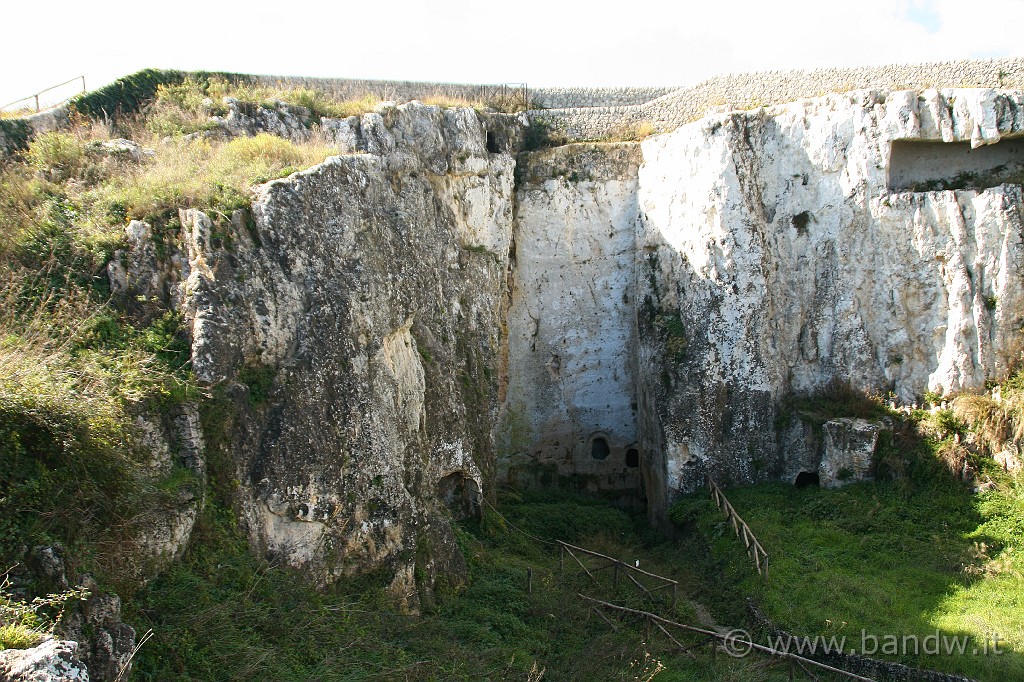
point(125, 95)
point(24, 624)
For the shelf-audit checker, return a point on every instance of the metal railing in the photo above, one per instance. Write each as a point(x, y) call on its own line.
point(35, 96)
point(506, 96)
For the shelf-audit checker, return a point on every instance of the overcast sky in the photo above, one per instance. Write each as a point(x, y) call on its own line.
point(541, 42)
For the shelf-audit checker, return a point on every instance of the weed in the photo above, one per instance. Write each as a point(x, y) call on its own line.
point(542, 134)
point(260, 380)
point(674, 332)
point(24, 623)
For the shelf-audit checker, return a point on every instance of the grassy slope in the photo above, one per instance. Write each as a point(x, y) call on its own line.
point(223, 615)
point(876, 557)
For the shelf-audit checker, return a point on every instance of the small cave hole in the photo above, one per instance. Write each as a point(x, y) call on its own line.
point(599, 448)
point(632, 458)
point(460, 494)
point(492, 143)
point(806, 479)
point(928, 166)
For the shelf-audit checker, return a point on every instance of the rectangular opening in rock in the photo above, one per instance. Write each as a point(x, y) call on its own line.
point(927, 166)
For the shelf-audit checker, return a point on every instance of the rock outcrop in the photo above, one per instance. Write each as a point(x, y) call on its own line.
point(773, 236)
point(354, 324)
point(394, 330)
point(849, 451)
point(55, 660)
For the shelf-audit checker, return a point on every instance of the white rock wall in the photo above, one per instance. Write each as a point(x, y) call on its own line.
point(570, 323)
point(772, 235)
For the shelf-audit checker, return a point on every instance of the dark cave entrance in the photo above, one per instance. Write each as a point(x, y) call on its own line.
point(492, 143)
point(806, 479)
point(460, 494)
point(599, 448)
point(633, 458)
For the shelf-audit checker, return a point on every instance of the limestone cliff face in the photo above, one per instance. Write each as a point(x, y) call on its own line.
point(403, 325)
point(570, 409)
point(774, 238)
point(355, 321)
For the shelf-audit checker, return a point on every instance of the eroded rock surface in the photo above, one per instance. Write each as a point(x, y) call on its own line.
point(849, 451)
point(772, 235)
point(395, 327)
point(55, 660)
point(355, 324)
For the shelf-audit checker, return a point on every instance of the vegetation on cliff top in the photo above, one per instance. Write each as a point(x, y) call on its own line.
point(77, 367)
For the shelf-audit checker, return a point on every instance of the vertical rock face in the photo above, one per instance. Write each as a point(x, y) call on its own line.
point(773, 238)
point(356, 323)
point(570, 409)
point(397, 326)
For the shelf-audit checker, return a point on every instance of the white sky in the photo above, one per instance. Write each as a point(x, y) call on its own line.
point(541, 42)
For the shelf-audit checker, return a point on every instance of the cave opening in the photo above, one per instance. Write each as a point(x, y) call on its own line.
point(492, 143)
point(633, 458)
point(806, 479)
point(460, 494)
point(599, 448)
point(927, 166)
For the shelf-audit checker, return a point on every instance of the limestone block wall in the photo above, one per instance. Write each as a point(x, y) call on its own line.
point(752, 90)
point(564, 98)
point(404, 91)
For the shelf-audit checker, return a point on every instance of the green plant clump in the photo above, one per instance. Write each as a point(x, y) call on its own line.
point(23, 624)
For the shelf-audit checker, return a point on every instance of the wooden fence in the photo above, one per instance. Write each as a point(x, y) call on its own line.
point(633, 573)
point(35, 97)
point(742, 530)
point(734, 646)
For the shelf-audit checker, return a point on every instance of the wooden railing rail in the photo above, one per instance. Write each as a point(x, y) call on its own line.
point(619, 568)
point(736, 642)
point(742, 530)
point(52, 87)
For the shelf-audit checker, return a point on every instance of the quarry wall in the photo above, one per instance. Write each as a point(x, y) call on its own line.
point(571, 340)
point(436, 314)
point(774, 239)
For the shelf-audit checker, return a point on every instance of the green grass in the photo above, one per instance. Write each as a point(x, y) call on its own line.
point(221, 614)
point(885, 559)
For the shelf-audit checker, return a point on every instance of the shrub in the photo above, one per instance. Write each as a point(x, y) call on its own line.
point(60, 155)
point(542, 134)
point(24, 624)
point(125, 95)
